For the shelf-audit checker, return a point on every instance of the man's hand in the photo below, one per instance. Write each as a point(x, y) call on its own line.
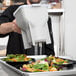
point(28, 2)
point(9, 27)
point(15, 28)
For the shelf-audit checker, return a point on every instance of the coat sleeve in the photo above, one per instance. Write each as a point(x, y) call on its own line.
point(7, 16)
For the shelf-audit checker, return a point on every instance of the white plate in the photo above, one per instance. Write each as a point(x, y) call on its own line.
point(37, 57)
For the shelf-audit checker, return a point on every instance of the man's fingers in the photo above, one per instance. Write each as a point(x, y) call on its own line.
point(14, 21)
point(16, 28)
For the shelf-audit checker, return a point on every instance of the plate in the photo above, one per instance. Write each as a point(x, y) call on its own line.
point(19, 64)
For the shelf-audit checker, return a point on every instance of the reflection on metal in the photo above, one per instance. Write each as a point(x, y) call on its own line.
point(61, 35)
point(40, 46)
point(2, 47)
point(36, 48)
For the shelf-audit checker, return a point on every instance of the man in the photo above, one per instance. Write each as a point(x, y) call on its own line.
point(9, 27)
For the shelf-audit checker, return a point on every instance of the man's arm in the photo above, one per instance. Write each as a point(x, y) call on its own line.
point(7, 24)
point(9, 27)
point(6, 28)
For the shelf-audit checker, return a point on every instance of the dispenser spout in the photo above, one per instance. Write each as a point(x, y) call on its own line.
point(39, 47)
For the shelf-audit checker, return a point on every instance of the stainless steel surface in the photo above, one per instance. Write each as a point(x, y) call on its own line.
point(36, 48)
point(2, 47)
point(40, 46)
point(53, 11)
point(12, 71)
point(8, 70)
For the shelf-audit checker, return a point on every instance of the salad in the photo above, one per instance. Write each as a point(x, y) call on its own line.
point(45, 65)
point(39, 66)
point(16, 58)
point(56, 60)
